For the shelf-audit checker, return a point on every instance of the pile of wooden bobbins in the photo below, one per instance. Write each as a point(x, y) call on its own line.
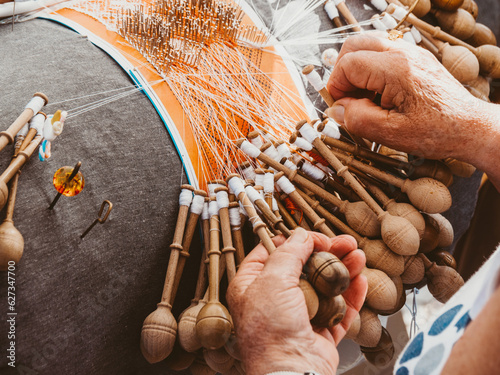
point(327, 180)
point(322, 182)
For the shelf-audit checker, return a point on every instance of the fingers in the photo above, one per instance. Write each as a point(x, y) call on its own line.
point(376, 42)
point(366, 119)
point(290, 257)
point(355, 261)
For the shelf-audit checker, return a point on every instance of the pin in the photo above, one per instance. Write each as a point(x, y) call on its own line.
point(65, 185)
point(99, 219)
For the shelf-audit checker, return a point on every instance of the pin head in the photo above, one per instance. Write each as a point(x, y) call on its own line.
point(66, 187)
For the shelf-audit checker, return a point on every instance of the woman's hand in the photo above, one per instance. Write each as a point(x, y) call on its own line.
point(269, 309)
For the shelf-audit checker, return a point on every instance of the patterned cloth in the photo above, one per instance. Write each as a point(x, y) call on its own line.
point(428, 351)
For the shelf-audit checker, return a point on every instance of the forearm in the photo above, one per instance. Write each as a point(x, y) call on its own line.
point(481, 139)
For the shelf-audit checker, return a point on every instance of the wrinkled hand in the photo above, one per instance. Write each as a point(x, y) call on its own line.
point(424, 110)
point(269, 309)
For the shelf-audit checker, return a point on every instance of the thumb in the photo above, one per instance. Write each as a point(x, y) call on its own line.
point(364, 118)
point(290, 257)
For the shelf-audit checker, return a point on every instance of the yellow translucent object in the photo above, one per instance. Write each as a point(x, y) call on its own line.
point(65, 187)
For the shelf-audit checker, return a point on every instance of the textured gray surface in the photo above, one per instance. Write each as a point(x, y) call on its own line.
point(81, 303)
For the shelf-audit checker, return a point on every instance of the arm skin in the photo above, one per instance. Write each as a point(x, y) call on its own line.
point(424, 110)
point(269, 309)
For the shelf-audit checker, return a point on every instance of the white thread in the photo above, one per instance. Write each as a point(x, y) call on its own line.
point(24, 130)
point(389, 21)
point(249, 149)
point(268, 182)
point(35, 104)
point(313, 171)
point(253, 194)
point(303, 144)
point(185, 197)
point(290, 165)
point(242, 210)
point(275, 205)
point(197, 204)
point(213, 208)
point(308, 133)
point(315, 80)
point(257, 142)
point(259, 179)
point(408, 36)
point(285, 185)
point(236, 185)
point(211, 189)
point(378, 24)
point(416, 34)
point(337, 2)
point(205, 215)
point(331, 129)
point(283, 151)
point(234, 217)
point(37, 123)
point(399, 13)
point(222, 199)
point(331, 10)
point(272, 153)
point(51, 131)
point(248, 173)
point(381, 5)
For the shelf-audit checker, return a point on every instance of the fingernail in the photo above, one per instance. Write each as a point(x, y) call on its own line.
point(299, 235)
point(336, 112)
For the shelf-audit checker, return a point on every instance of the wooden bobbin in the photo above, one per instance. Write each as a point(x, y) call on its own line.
point(488, 55)
point(192, 221)
point(401, 298)
point(416, 169)
point(159, 329)
point(11, 240)
point(370, 330)
point(260, 228)
point(285, 215)
point(443, 282)
point(397, 232)
point(331, 311)
point(237, 236)
point(480, 88)
point(179, 359)
point(327, 274)
point(414, 270)
point(218, 359)
point(382, 293)
point(446, 234)
point(199, 367)
point(421, 9)
point(213, 323)
point(325, 94)
point(354, 328)
point(187, 320)
point(15, 165)
point(448, 5)
point(459, 23)
point(425, 193)
point(405, 210)
point(460, 168)
point(471, 7)
point(377, 254)
point(348, 16)
point(393, 154)
point(35, 104)
point(228, 249)
point(368, 219)
point(318, 223)
point(381, 354)
point(482, 35)
point(430, 239)
point(442, 258)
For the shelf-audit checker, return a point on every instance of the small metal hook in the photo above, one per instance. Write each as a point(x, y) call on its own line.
point(100, 219)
